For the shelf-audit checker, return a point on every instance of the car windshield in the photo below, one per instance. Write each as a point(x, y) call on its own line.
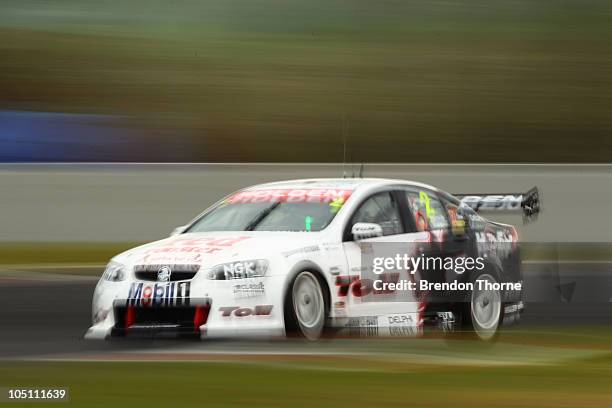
point(273, 210)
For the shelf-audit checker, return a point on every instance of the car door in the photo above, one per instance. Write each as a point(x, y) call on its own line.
point(371, 308)
point(443, 220)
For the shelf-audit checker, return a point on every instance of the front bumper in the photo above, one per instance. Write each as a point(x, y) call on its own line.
point(202, 309)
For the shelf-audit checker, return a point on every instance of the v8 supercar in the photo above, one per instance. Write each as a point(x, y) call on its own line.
point(294, 258)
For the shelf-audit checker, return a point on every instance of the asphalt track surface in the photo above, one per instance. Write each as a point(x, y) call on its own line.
point(43, 315)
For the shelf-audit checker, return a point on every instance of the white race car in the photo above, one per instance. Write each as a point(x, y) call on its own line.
point(291, 259)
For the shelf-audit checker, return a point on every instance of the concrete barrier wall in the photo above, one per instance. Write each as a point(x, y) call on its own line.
point(141, 202)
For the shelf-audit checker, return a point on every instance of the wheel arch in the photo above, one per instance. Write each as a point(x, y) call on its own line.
point(317, 271)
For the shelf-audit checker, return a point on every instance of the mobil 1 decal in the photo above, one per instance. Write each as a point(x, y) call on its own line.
point(159, 294)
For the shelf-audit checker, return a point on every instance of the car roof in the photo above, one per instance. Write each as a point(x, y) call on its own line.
point(337, 183)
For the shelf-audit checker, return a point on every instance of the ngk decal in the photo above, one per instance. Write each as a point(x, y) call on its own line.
point(260, 310)
point(290, 196)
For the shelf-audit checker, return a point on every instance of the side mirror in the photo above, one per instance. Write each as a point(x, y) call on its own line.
point(178, 230)
point(363, 230)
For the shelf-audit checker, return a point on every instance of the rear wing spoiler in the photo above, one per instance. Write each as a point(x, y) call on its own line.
point(528, 203)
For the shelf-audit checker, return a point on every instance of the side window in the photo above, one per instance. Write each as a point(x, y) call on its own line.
point(427, 210)
point(381, 209)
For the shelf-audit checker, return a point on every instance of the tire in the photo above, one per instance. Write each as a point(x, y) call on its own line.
point(305, 308)
point(482, 313)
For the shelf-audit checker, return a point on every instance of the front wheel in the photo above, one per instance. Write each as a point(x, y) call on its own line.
point(305, 307)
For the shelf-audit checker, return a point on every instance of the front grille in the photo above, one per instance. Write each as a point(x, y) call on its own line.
point(156, 320)
point(182, 316)
point(177, 272)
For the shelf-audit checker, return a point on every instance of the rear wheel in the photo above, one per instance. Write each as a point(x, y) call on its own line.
point(482, 315)
point(305, 307)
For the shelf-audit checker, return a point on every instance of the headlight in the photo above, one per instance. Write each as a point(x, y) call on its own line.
point(238, 270)
point(114, 272)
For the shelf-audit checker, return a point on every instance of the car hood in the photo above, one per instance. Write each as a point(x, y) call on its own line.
point(209, 249)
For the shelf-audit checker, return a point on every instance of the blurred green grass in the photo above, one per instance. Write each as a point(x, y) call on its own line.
point(582, 383)
point(557, 367)
point(435, 81)
point(61, 253)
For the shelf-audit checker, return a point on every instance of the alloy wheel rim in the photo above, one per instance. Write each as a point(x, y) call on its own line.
point(486, 307)
point(308, 303)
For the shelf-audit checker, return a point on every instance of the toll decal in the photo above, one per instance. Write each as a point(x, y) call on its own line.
point(237, 311)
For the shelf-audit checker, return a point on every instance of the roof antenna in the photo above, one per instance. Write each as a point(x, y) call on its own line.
point(361, 170)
